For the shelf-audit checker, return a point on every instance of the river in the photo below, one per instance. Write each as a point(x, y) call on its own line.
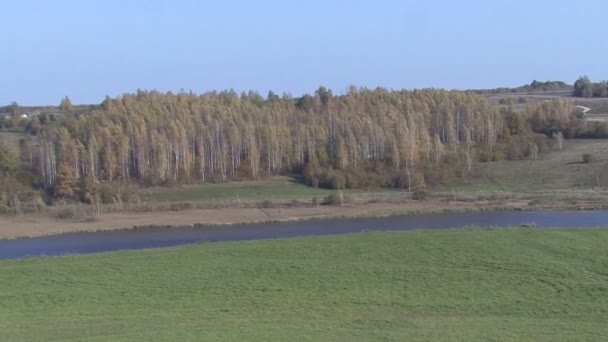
point(105, 241)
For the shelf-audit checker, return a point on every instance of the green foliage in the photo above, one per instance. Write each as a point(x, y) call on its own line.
point(9, 161)
point(583, 87)
point(274, 189)
point(336, 199)
point(518, 284)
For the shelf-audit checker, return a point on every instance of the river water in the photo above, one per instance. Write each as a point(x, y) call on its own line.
point(104, 241)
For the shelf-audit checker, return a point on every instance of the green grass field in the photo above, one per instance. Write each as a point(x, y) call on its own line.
point(279, 188)
point(276, 188)
point(468, 284)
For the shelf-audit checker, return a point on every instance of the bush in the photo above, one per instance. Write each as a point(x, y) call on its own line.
point(421, 194)
point(335, 199)
point(587, 158)
point(117, 192)
point(266, 204)
point(316, 201)
point(66, 213)
point(179, 206)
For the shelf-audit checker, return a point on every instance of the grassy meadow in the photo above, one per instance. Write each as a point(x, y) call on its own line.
point(467, 284)
point(556, 171)
point(276, 188)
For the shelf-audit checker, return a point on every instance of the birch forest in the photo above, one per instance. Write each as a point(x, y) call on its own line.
point(363, 138)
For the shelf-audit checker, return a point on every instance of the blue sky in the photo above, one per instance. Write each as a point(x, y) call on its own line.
point(89, 49)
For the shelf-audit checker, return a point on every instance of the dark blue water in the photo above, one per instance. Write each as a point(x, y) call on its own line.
point(83, 243)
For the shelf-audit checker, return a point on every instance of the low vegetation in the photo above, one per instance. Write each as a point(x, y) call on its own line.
point(583, 87)
point(556, 174)
point(468, 284)
point(534, 87)
point(272, 189)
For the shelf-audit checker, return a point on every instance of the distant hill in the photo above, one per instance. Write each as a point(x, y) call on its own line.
point(535, 86)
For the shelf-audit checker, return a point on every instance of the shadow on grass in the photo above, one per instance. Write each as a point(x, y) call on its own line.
point(297, 179)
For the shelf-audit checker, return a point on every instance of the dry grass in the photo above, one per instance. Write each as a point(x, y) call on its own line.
point(597, 105)
point(558, 172)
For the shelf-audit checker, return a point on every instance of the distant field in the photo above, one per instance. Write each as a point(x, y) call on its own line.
point(455, 285)
point(597, 117)
point(597, 105)
point(555, 171)
point(12, 136)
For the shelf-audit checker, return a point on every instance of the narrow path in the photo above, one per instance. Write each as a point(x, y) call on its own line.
point(584, 109)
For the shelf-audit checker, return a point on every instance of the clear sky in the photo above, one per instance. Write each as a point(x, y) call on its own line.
point(89, 49)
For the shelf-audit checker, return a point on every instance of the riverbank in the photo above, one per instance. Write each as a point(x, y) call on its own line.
point(41, 225)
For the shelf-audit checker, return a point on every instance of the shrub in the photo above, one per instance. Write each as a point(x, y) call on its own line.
point(178, 206)
point(66, 213)
point(421, 194)
point(266, 204)
point(587, 158)
point(316, 201)
point(117, 192)
point(107, 193)
point(335, 199)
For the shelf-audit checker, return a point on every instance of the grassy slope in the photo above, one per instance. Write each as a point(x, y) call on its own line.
point(472, 284)
point(276, 188)
point(555, 171)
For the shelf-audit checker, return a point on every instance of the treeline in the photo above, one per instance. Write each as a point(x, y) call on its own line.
point(583, 87)
point(10, 115)
point(535, 86)
point(366, 138)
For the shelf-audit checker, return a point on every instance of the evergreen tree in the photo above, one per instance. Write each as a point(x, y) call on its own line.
point(65, 104)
